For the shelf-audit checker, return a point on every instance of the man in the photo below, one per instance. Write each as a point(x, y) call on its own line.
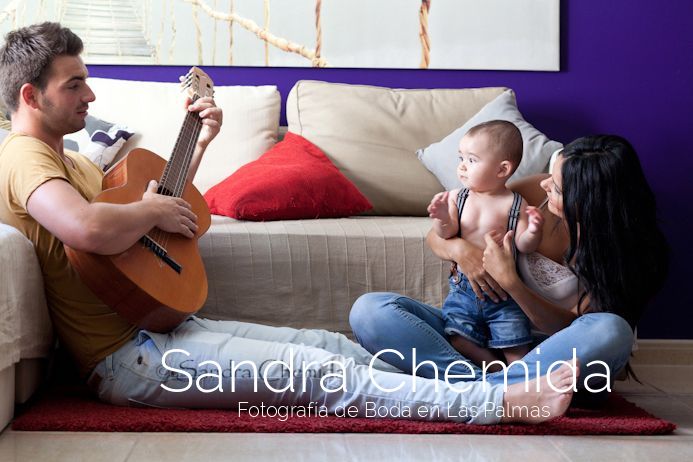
point(46, 191)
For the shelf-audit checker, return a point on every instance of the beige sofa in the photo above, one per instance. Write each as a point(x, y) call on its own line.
point(301, 273)
point(26, 334)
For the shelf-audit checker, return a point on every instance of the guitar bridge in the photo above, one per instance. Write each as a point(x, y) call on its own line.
point(160, 252)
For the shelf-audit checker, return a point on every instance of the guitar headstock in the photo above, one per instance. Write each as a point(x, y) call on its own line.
point(197, 84)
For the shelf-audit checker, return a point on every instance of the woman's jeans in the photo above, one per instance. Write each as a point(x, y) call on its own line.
point(319, 370)
point(391, 321)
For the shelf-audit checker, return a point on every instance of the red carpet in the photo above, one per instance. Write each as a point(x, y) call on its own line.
point(73, 411)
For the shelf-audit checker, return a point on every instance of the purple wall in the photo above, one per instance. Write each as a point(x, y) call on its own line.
point(626, 68)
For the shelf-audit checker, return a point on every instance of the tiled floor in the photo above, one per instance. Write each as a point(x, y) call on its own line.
point(667, 392)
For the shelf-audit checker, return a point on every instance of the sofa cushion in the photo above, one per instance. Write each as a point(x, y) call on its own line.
point(308, 273)
point(5, 123)
point(99, 140)
point(442, 158)
point(293, 180)
point(251, 120)
point(372, 133)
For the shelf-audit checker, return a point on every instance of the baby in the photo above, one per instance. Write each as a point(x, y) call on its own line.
point(489, 154)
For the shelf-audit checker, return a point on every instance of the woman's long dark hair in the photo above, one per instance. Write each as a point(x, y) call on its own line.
point(616, 247)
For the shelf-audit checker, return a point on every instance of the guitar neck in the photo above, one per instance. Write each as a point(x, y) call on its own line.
point(175, 174)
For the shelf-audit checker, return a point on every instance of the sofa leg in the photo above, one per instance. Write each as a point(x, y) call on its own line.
point(6, 396)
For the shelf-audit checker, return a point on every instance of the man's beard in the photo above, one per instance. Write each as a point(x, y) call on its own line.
point(58, 122)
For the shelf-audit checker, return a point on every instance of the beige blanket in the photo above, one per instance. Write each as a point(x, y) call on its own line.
point(25, 327)
point(308, 273)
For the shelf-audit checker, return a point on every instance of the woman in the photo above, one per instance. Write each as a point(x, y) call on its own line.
point(601, 259)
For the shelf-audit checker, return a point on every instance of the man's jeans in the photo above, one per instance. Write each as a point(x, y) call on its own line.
point(320, 369)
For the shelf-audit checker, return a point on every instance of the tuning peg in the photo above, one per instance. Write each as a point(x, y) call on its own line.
point(186, 81)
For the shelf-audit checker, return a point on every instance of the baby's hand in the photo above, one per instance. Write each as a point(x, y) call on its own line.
point(497, 236)
point(438, 208)
point(536, 220)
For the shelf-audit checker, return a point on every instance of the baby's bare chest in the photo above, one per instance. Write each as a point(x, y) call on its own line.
point(481, 218)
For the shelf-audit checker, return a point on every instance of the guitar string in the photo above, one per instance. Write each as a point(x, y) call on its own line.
point(178, 168)
point(184, 166)
point(171, 168)
point(173, 171)
point(164, 178)
point(191, 124)
point(157, 234)
point(196, 123)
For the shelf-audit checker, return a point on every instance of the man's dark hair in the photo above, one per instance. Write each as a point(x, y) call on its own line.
point(505, 136)
point(27, 55)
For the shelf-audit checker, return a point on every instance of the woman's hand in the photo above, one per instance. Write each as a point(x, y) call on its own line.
point(468, 259)
point(499, 261)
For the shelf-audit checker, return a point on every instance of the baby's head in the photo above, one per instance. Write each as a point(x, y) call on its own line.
point(489, 154)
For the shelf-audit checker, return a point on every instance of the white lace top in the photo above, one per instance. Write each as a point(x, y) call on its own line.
point(552, 281)
point(549, 279)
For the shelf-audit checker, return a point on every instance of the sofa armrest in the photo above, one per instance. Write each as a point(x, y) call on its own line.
point(25, 327)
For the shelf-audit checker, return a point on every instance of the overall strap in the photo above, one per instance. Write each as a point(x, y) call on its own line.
point(461, 200)
point(513, 218)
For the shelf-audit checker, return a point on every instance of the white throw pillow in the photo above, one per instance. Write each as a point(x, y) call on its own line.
point(441, 158)
point(154, 110)
point(99, 140)
point(552, 160)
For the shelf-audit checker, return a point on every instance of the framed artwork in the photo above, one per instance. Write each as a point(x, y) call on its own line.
point(400, 34)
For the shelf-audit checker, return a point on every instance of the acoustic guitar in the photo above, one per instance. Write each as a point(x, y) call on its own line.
point(159, 281)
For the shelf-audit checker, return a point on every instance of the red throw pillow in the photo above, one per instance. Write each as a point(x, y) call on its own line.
point(293, 180)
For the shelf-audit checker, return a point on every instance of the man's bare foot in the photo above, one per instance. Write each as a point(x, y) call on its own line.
point(534, 406)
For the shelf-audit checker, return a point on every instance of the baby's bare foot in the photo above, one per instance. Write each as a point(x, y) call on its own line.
point(534, 406)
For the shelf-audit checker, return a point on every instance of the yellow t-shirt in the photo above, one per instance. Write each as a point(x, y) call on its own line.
point(86, 326)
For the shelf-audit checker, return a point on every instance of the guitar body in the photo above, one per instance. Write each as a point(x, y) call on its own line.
point(138, 284)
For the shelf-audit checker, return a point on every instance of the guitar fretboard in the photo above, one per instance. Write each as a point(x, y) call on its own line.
point(175, 174)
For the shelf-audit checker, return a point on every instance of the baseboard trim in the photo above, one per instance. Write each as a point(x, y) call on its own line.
point(661, 352)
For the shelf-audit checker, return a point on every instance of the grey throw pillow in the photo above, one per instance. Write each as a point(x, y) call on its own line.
point(441, 158)
point(99, 140)
point(5, 123)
